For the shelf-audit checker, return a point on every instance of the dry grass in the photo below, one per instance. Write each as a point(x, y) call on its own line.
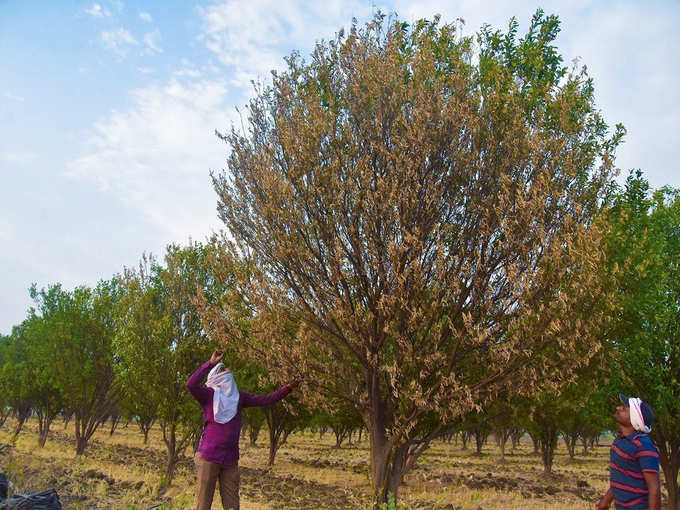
point(120, 472)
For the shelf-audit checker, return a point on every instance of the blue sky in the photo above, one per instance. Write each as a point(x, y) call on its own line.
point(108, 111)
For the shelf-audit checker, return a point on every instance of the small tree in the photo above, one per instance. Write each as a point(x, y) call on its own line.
point(5, 405)
point(645, 242)
point(543, 423)
point(160, 342)
point(14, 374)
point(85, 368)
point(255, 419)
point(503, 420)
point(43, 331)
point(136, 346)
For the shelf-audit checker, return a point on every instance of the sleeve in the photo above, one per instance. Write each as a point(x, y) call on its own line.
point(200, 392)
point(250, 400)
point(648, 456)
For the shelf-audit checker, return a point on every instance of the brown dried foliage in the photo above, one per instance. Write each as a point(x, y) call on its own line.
point(419, 238)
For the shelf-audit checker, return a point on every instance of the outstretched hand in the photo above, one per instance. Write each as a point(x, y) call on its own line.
point(216, 357)
point(295, 383)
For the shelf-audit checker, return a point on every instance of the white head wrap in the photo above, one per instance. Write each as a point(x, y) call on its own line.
point(636, 418)
point(225, 396)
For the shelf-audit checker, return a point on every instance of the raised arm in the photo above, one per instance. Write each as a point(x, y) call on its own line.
point(200, 392)
point(250, 400)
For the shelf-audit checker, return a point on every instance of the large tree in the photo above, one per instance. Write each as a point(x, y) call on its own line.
point(423, 208)
point(645, 242)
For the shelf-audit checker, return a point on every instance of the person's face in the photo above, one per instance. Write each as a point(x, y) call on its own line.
point(622, 415)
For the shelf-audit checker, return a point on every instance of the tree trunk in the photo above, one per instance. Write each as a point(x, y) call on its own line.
point(535, 440)
point(254, 432)
point(44, 422)
point(570, 442)
point(172, 449)
point(516, 436)
point(197, 441)
point(501, 440)
point(379, 460)
point(341, 433)
point(276, 440)
point(22, 415)
point(85, 428)
point(81, 444)
point(389, 463)
point(115, 420)
point(480, 439)
point(669, 458)
point(584, 443)
point(464, 438)
point(145, 427)
point(278, 421)
point(4, 414)
point(548, 443)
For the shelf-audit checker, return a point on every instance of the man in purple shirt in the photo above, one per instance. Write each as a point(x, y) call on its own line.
point(217, 455)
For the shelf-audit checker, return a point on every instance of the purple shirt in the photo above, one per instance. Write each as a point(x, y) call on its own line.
point(219, 441)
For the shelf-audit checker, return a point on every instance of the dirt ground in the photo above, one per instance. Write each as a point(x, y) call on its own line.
point(119, 472)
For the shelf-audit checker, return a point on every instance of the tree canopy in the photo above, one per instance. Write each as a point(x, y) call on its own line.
point(425, 213)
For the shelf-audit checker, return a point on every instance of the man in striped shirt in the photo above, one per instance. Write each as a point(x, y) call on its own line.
point(634, 460)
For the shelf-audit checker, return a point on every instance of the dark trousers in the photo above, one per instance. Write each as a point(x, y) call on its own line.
point(207, 475)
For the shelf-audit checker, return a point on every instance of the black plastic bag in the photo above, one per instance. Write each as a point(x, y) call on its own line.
point(44, 500)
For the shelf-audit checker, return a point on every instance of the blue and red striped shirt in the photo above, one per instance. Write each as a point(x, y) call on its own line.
point(630, 457)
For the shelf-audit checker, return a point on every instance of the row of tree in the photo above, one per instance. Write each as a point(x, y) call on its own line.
point(423, 225)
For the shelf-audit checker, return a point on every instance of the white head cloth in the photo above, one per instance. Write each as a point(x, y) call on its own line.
point(636, 418)
point(225, 396)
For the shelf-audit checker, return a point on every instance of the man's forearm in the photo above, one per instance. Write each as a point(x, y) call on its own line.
point(653, 486)
point(606, 500)
point(654, 498)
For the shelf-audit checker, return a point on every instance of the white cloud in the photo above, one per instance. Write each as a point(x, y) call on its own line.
point(145, 16)
point(251, 38)
point(156, 157)
point(98, 11)
point(13, 97)
point(6, 230)
point(152, 43)
point(118, 41)
point(18, 158)
point(145, 70)
point(191, 73)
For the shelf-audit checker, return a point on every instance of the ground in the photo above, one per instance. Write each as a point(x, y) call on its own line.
point(120, 472)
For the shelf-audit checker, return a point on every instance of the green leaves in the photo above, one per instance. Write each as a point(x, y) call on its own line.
point(643, 243)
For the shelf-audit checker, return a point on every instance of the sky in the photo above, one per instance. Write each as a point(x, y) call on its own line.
point(108, 111)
